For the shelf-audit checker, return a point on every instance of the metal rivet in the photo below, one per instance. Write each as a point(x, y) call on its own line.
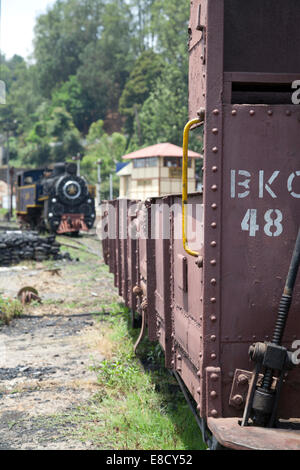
point(213, 318)
point(238, 400)
point(213, 356)
point(215, 149)
point(213, 262)
point(213, 300)
point(215, 130)
point(234, 112)
point(214, 206)
point(214, 413)
point(214, 377)
point(251, 112)
point(270, 112)
point(214, 169)
point(213, 244)
point(213, 282)
point(216, 112)
point(213, 394)
point(213, 337)
point(242, 379)
point(213, 225)
point(214, 187)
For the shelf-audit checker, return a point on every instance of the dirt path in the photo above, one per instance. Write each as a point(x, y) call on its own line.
point(46, 356)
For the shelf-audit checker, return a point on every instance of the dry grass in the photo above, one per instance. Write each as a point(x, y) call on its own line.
point(9, 309)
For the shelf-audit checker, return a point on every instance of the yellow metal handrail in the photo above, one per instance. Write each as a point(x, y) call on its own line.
point(186, 133)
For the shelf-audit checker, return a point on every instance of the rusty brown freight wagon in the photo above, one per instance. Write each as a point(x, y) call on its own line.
point(223, 306)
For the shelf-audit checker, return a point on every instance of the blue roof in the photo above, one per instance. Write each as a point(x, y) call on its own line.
point(121, 165)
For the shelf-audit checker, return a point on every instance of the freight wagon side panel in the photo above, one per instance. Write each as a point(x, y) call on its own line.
point(260, 223)
point(123, 241)
point(161, 230)
point(146, 261)
point(187, 292)
point(251, 191)
point(132, 246)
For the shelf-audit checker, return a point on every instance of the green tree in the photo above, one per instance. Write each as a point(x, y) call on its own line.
point(148, 67)
point(106, 63)
point(71, 97)
point(61, 36)
point(51, 139)
point(165, 113)
point(107, 148)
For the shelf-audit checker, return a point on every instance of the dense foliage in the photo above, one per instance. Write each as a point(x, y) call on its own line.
point(107, 76)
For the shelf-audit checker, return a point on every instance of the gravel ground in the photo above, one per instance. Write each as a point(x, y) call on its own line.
point(46, 355)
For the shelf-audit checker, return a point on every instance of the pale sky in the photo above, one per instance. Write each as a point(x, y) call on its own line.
point(17, 23)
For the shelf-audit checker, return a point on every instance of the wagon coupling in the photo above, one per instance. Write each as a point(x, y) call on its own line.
point(262, 401)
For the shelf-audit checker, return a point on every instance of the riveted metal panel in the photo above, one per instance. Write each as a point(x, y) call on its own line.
point(187, 295)
point(104, 231)
point(161, 218)
point(146, 249)
point(197, 53)
point(259, 227)
point(213, 159)
point(123, 205)
point(132, 247)
point(262, 36)
point(112, 234)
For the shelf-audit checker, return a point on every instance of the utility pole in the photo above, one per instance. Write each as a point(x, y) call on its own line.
point(111, 186)
point(77, 159)
point(9, 212)
point(11, 206)
point(99, 181)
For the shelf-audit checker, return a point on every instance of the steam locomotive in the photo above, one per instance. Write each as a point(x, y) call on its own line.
point(55, 199)
point(223, 298)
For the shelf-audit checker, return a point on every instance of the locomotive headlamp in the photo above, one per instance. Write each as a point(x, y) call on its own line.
point(54, 200)
point(72, 189)
point(50, 214)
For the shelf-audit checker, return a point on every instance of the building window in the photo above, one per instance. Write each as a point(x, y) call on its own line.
point(175, 162)
point(144, 182)
point(145, 162)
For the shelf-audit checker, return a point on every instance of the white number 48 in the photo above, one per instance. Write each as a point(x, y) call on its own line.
point(273, 226)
